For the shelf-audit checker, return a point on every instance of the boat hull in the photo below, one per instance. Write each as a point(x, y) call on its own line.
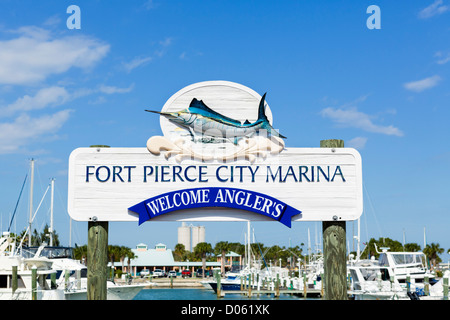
point(226, 286)
point(119, 292)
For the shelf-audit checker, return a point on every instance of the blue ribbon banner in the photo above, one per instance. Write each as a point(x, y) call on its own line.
point(215, 197)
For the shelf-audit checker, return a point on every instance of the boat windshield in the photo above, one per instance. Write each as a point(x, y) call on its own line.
point(49, 252)
point(400, 258)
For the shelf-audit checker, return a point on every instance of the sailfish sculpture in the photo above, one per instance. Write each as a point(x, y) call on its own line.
point(199, 118)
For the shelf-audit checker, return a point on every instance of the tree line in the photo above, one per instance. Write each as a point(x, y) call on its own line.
point(37, 238)
point(204, 251)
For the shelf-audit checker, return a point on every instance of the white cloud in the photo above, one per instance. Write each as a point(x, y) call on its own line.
point(357, 143)
point(55, 96)
point(136, 62)
point(352, 118)
point(45, 97)
point(436, 8)
point(112, 89)
point(139, 61)
point(148, 5)
point(25, 129)
point(166, 42)
point(442, 57)
point(35, 54)
point(421, 85)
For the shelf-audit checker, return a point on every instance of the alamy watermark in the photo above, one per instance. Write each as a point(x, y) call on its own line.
point(374, 21)
point(74, 20)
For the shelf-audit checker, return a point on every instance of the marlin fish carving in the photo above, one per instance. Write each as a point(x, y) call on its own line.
point(199, 118)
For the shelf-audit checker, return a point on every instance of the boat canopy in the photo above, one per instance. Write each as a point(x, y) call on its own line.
point(402, 258)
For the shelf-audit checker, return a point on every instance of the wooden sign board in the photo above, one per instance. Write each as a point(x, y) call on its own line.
point(322, 183)
point(219, 159)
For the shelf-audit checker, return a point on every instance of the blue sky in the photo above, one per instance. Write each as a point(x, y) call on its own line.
point(327, 75)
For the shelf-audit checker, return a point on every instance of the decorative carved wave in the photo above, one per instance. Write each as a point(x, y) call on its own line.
point(249, 149)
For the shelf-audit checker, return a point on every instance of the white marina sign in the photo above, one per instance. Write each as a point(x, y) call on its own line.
point(241, 171)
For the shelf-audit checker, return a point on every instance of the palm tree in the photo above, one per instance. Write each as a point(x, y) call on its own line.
point(179, 252)
point(130, 255)
point(222, 248)
point(412, 247)
point(432, 252)
point(237, 247)
point(122, 254)
point(202, 249)
point(45, 236)
point(36, 239)
point(80, 252)
point(113, 253)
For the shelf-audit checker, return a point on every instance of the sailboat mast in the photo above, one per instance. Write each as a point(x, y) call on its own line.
point(359, 237)
point(424, 238)
point(31, 201)
point(248, 243)
point(51, 212)
point(309, 247)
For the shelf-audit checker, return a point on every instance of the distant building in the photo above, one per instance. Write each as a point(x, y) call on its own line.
point(184, 236)
point(232, 260)
point(159, 258)
point(198, 235)
point(190, 236)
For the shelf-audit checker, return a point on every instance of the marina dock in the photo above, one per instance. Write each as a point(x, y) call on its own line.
point(309, 293)
point(157, 283)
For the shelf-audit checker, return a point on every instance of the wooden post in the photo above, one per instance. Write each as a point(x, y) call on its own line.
point(34, 283)
point(257, 282)
point(392, 279)
point(427, 286)
point(97, 260)
point(53, 281)
point(305, 286)
point(217, 276)
point(14, 279)
point(334, 248)
point(78, 276)
point(321, 285)
point(277, 289)
point(445, 288)
point(97, 256)
point(66, 279)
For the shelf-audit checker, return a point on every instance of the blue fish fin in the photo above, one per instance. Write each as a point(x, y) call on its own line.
point(263, 118)
point(261, 109)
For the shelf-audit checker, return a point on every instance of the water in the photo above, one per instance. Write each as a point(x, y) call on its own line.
point(205, 294)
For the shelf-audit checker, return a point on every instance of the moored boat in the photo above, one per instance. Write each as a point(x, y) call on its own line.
point(72, 276)
point(26, 290)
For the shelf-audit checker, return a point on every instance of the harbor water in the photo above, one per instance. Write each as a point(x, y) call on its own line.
point(205, 294)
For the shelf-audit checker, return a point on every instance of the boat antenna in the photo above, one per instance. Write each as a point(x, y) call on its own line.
point(15, 209)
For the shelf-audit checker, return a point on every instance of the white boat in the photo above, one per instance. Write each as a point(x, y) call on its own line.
point(404, 264)
point(25, 266)
point(394, 276)
point(370, 281)
point(75, 283)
